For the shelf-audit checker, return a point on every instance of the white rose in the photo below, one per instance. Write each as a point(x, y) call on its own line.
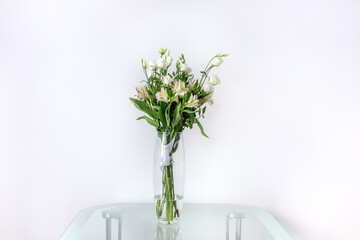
point(214, 80)
point(167, 80)
point(161, 63)
point(207, 88)
point(217, 61)
point(184, 68)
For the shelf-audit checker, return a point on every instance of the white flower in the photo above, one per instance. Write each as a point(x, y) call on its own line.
point(142, 92)
point(217, 61)
point(162, 95)
point(179, 88)
point(191, 82)
point(168, 60)
point(207, 87)
point(214, 80)
point(193, 102)
point(152, 64)
point(209, 99)
point(161, 63)
point(185, 68)
point(166, 80)
point(150, 72)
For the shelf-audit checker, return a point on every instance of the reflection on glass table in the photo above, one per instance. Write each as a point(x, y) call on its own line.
point(135, 221)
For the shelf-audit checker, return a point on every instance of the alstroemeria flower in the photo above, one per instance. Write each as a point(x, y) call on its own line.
point(162, 95)
point(142, 92)
point(209, 99)
point(193, 102)
point(179, 88)
point(191, 82)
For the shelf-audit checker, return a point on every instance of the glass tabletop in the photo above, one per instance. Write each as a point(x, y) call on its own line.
point(135, 221)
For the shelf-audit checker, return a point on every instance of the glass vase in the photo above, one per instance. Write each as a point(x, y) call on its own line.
point(169, 176)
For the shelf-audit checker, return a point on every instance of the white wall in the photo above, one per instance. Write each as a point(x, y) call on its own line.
point(284, 128)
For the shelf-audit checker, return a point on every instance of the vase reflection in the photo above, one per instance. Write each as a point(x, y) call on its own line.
point(168, 232)
point(111, 215)
point(234, 224)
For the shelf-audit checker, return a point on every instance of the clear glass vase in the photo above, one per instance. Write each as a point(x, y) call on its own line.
point(169, 176)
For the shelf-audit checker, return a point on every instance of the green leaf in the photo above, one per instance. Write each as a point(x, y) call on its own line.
point(189, 111)
point(162, 114)
point(176, 117)
point(150, 121)
point(201, 127)
point(142, 106)
point(203, 110)
point(167, 115)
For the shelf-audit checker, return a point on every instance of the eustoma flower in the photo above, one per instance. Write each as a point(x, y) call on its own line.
point(217, 61)
point(167, 80)
point(207, 88)
point(161, 63)
point(185, 68)
point(214, 80)
point(151, 67)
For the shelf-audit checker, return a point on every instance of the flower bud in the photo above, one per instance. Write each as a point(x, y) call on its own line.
point(162, 51)
point(143, 63)
point(217, 61)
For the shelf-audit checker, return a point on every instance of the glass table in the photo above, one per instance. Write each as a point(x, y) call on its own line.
point(137, 221)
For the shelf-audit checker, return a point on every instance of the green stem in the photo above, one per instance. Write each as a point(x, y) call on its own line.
point(168, 196)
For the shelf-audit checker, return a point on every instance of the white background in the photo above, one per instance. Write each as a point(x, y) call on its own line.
point(284, 129)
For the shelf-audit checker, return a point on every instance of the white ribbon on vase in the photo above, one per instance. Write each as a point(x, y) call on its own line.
point(164, 153)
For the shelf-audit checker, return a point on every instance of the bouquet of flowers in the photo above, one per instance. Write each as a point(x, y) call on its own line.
point(172, 101)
